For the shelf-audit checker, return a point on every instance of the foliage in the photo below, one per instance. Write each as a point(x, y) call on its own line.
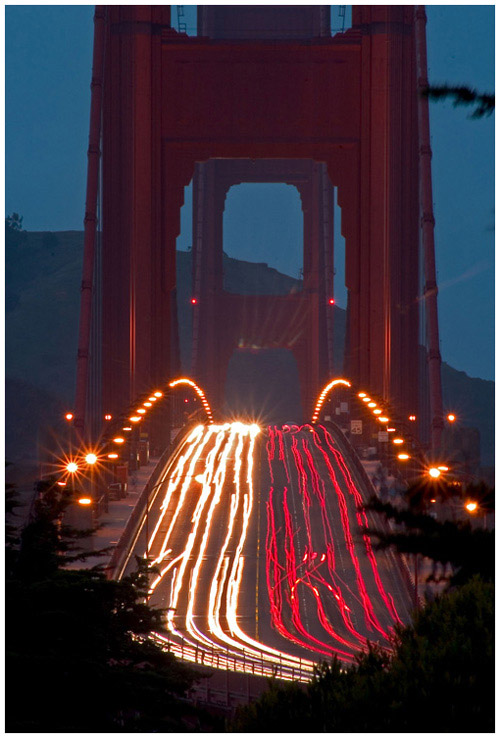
point(439, 679)
point(470, 552)
point(46, 541)
point(14, 222)
point(481, 493)
point(15, 236)
point(11, 529)
point(485, 103)
point(77, 655)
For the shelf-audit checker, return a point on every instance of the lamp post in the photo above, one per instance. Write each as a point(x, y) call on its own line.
point(91, 460)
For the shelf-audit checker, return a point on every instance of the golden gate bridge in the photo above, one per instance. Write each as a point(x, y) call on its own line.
point(258, 535)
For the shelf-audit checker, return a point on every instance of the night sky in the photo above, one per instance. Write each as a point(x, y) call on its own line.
point(48, 69)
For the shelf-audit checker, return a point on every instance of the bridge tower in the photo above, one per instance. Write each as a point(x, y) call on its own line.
point(263, 92)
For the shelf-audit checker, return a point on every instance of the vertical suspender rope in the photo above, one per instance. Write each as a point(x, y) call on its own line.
point(93, 161)
point(427, 226)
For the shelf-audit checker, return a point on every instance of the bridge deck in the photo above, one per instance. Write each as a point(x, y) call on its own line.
point(263, 563)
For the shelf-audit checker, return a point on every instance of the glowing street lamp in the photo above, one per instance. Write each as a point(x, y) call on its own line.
point(72, 467)
point(91, 459)
point(451, 418)
point(434, 472)
point(85, 501)
point(471, 506)
point(69, 416)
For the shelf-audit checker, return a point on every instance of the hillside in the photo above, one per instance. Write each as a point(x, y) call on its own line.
point(43, 275)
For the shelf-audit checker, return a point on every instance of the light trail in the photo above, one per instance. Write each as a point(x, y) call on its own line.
point(326, 595)
point(362, 519)
point(201, 578)
point(326, 492)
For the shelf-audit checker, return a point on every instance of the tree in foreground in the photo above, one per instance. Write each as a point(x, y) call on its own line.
point(468, 552)
point(77, 657)
point(461, 95)
point(440, 678)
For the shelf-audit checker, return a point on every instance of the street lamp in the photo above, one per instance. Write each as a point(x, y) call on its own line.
point(91, 460)
point(471, 506)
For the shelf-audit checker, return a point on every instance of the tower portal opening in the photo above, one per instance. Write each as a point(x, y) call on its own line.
point(263, 226)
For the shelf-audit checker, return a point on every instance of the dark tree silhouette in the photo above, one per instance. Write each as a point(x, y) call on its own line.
point(485, 103)
point(469, 552)
point(440, 678)
point(78, 658)
point(14, 222)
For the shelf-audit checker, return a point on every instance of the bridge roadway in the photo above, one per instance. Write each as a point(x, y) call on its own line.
point(261, 558)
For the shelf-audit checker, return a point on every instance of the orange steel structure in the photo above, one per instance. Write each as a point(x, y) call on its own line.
point(264, 93)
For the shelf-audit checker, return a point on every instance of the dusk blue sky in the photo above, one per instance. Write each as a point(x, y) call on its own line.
point(48, 69)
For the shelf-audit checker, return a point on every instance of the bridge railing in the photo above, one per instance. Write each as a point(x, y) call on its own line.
point(244, 663)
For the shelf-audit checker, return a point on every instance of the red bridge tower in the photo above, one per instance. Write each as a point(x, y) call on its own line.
point(263, 93)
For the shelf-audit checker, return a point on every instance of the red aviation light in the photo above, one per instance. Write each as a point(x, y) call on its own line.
point(194, 301)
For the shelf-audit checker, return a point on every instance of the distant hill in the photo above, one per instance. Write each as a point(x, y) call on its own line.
point(43, 276)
